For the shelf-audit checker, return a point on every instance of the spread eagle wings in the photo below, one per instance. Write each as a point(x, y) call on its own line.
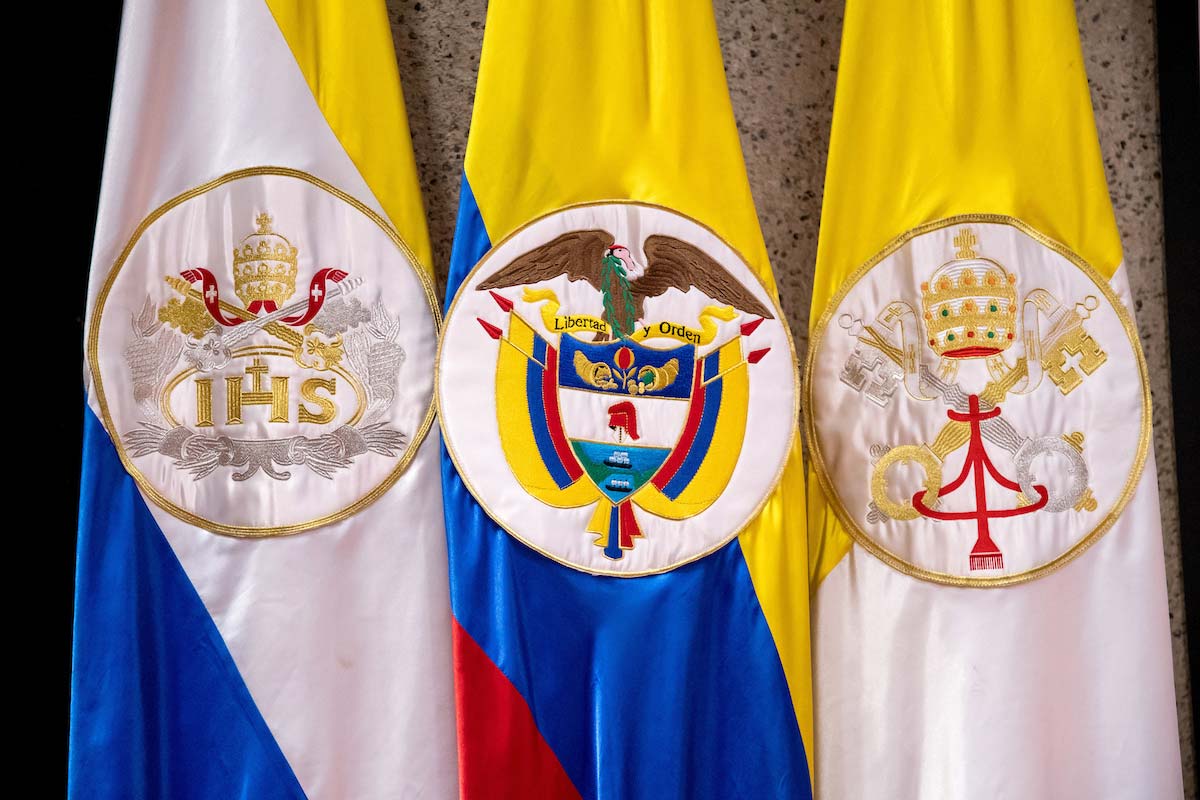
point(670, 264)
point(578, 255)
point(674, 264)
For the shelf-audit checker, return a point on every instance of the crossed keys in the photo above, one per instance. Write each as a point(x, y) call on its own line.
point(214, 350)
point(990, 427)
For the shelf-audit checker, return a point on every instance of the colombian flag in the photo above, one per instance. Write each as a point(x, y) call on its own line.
point(690, 683)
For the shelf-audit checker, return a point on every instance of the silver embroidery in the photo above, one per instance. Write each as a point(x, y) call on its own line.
point(870, 372)
point(1076, 470)
point(376, 357)
point(339, 315)
point(150, 356)
point(201, 455)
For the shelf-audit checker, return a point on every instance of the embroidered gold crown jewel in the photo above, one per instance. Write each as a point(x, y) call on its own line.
point(264, 266)
point(970, 304)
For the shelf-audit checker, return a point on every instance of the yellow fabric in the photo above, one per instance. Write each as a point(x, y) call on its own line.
point(947, 107)
point(598, 524)
point(582, 101)
point(714, 472)
point(346, 53)
point(717, 467)
point(775, 548)
point(516, 432)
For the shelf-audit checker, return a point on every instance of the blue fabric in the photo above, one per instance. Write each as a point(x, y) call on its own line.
point(534, 375)
point(158, 708)
point(666, 686)
point(701, 442)
point(642, 356)
point(613, 548)
point(471, 241)
point(618, 479)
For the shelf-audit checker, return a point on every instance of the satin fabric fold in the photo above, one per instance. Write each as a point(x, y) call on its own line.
point(158, 708)
point(665, 686)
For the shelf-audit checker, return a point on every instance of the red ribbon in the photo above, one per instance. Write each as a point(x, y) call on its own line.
point(316, 295)
point(212, 296)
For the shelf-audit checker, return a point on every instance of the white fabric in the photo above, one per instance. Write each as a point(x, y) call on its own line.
point(342, 634)
point(1106, 407)
point(381, 377)
point(1057, 688)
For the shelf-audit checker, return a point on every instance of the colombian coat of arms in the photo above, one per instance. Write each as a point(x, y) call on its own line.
point(617, 388)
point(977, 404)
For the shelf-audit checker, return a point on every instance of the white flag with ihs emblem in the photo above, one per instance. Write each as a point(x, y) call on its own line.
point(262, 598)
point(990, 611)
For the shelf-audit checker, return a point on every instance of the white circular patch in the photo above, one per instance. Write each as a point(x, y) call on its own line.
point(617, 388)
point(977, 405)
point(262, 354)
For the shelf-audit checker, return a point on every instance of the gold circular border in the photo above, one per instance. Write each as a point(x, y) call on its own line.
point(93, 342)
point(794, 428)
point(814, 444)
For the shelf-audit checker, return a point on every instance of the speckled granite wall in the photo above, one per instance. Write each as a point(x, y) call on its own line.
point(781, 60)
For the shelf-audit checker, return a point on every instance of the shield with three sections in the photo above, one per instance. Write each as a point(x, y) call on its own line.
point(624, 407)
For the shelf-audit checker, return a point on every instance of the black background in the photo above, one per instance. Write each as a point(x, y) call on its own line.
point(66, 121)
point(65, 116)
point(1179, 120)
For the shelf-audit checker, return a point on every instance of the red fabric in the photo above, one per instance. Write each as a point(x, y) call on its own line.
point(624, 415)
point(628, 525)
point(505, 304)
point(985, 554)
point(554, 419)
point(211, 294)
point(491, 329)
point(316, 295)
point(501, 753)
point(680, 453)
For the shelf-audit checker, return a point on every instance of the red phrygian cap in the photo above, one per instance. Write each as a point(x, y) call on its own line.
point(624, 415)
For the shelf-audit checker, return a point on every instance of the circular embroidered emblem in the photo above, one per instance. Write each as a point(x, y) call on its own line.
point(977, 404)
point(617, 389)
point(262, 354)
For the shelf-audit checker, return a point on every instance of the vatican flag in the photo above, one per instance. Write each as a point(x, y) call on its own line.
point(989, 605)
point(262, 608)
point(618, 395)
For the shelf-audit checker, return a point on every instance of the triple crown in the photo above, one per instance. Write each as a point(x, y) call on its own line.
point(264, 268)
point(970, 304)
